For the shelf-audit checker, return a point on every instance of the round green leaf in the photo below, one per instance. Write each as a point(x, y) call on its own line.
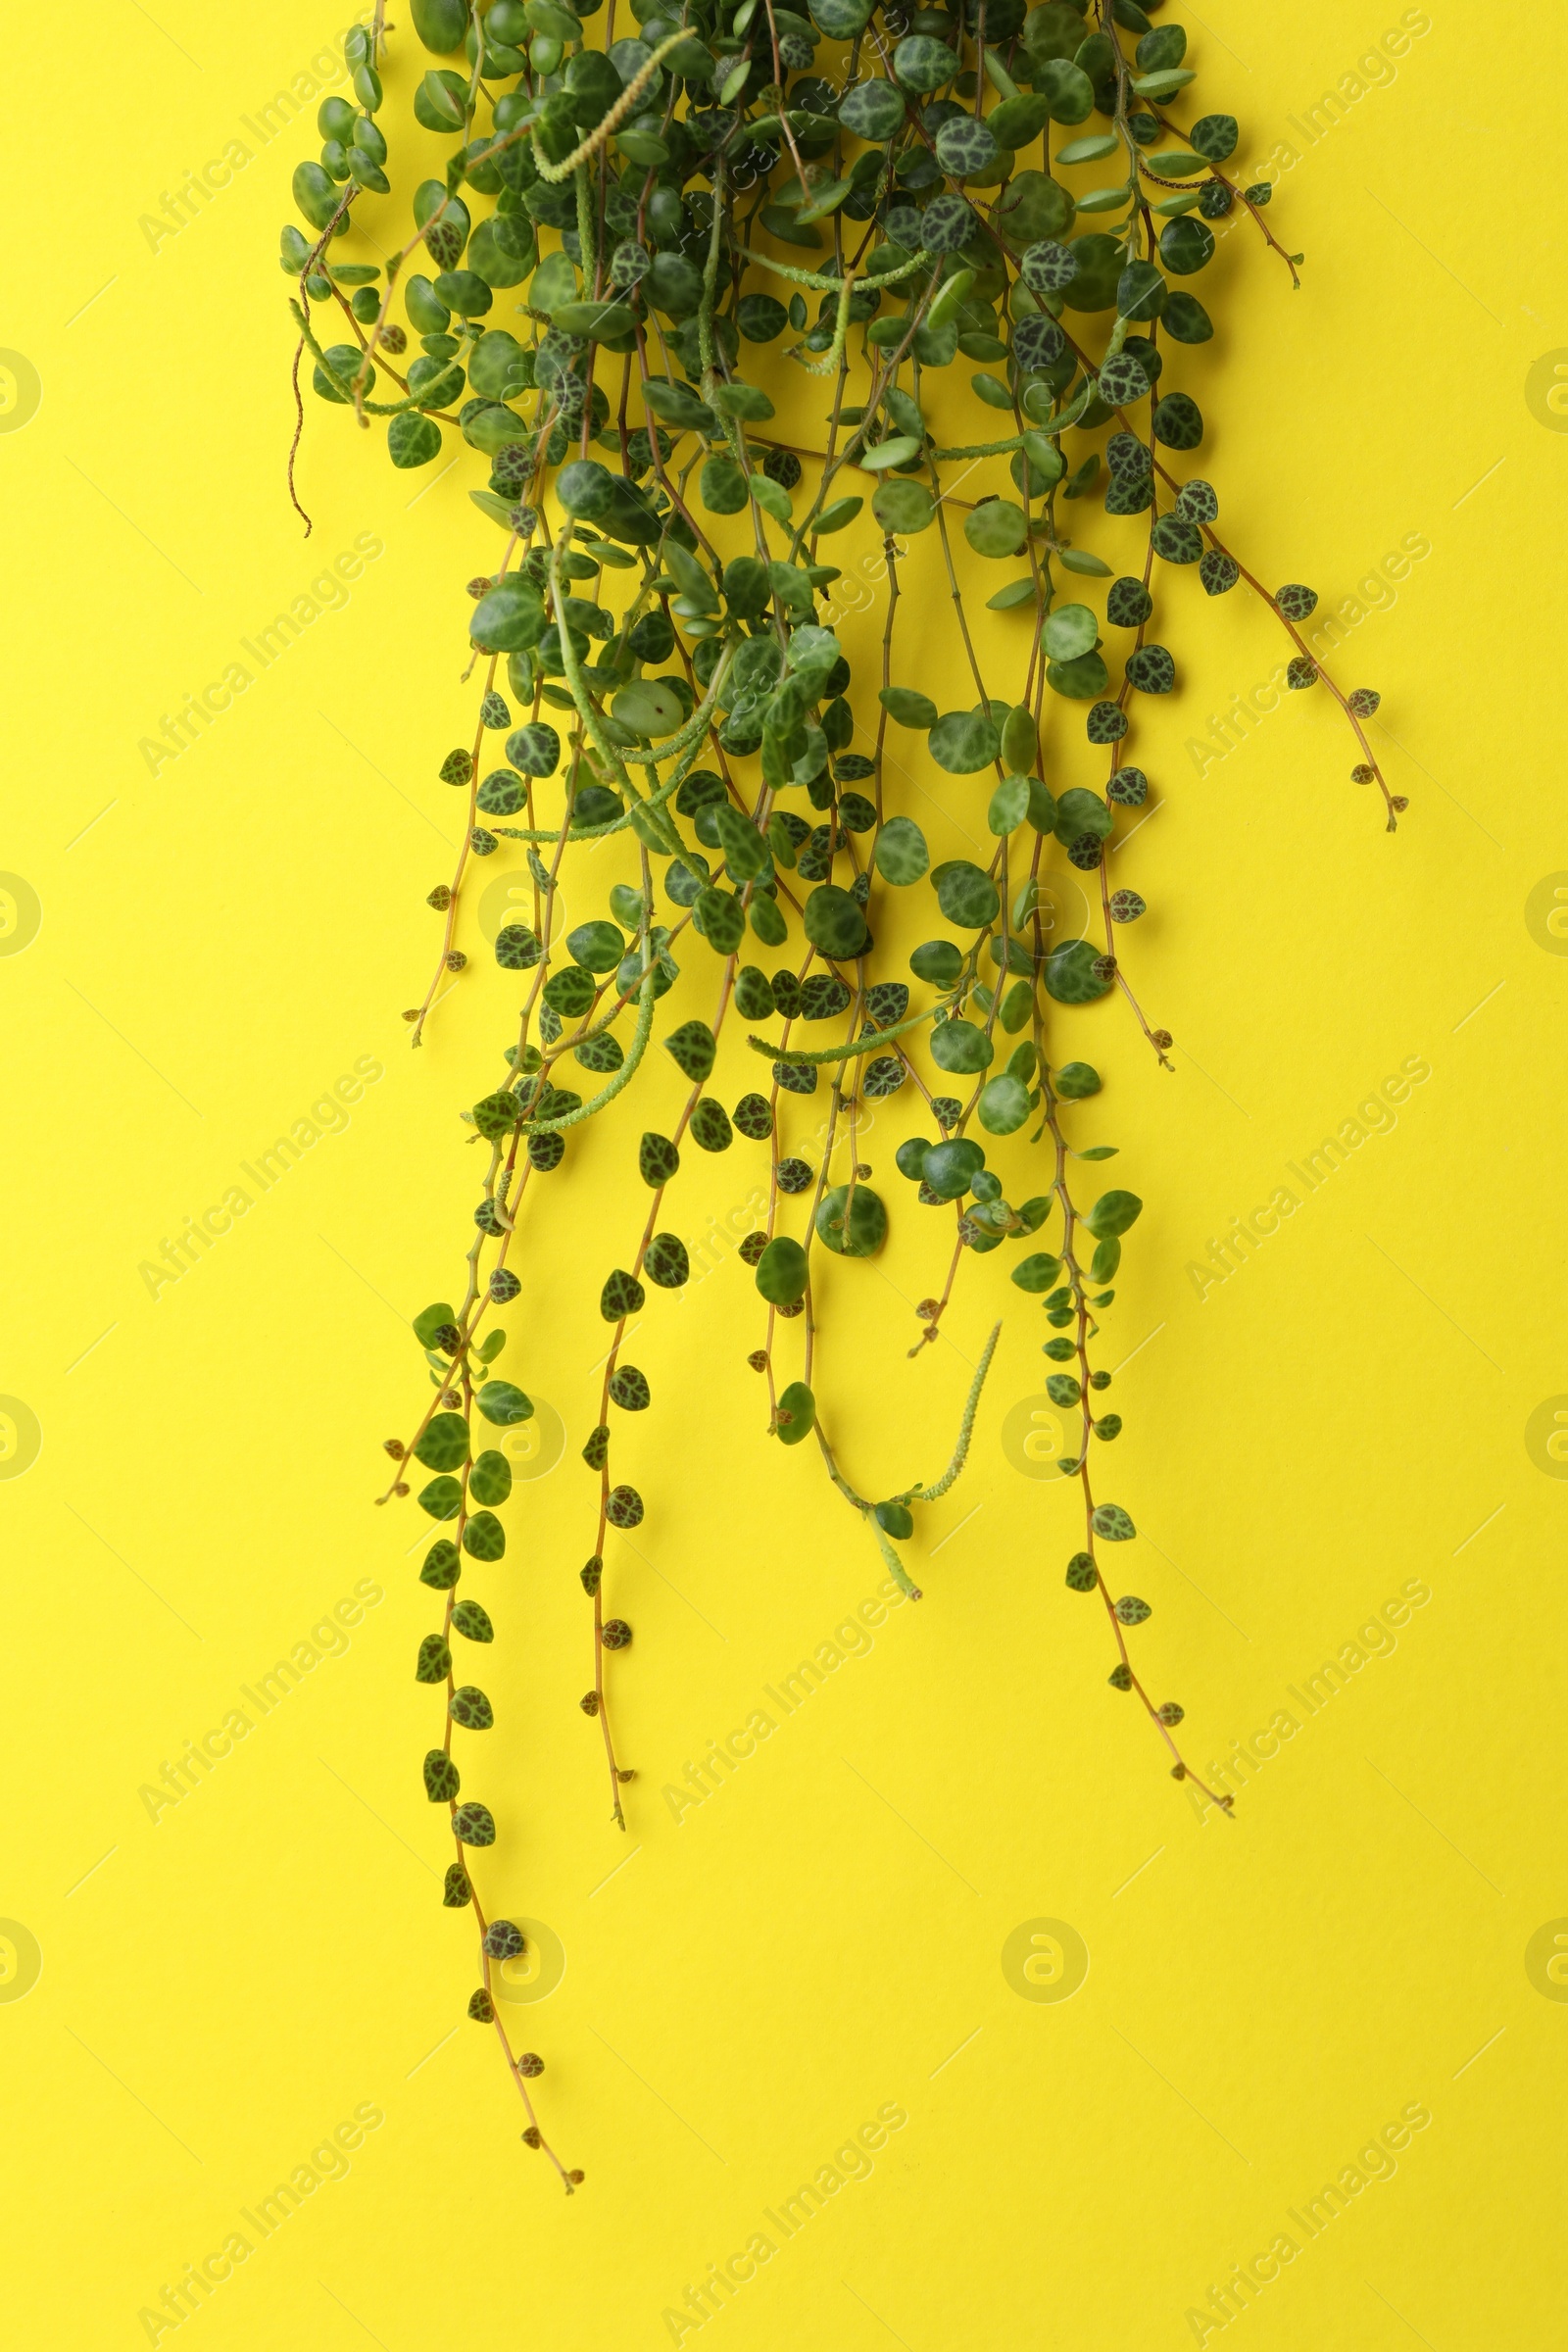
point(964, 741)
point(504, 1404)
point(900, 854)
point(951, 1167)
point(490, 1479)
point(797, 1413)
point(907, 708)
point(1080, 680)
point(903, 508)
point(867, 1227)
point(999, 527)
point(445, 1444)
point(1070, 976)
point(1009, 805)
point(782, 1271)
point(1071, 630)
point(961, 1048)
point(1095, 281)
point(966, 894)
point(413, 440)
point(1004, 1104)
point(834, 922)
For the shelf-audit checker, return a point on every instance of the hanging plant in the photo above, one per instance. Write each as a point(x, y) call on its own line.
point(654, 662)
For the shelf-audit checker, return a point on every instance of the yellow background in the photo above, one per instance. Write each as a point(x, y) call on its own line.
point(823, 1936)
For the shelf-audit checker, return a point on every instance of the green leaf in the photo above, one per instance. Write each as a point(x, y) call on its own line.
point(966, 894)
point(1163, 84)
point(964, 741)
point(472, 1622)
point(896, 451)
point(782, 1271)
point(796, 1414)
point(1004, 1104)
point(835, 515)
point(1112, 1214)
point(996, 528)
point(434, 1660)
point(1107, 1258)
point(961, 1048)
point(1111, 1521)
point(648, 708)
point(503, 1404)
point(445, 1444)
point(490, 1479)
point(1214, 137)
point(1009, 805)
point(1089, 150)
point(441, 1778)
point(439, 1317)
point(1036, 1273)
point(1079, 559)
point(597, 322)
point(442, 1498)
point(1081, 680)
point(900, 854)
point(907, 708)
point(903, 509)
point(1070, 976)
point(867, 1221)
point(721, 486)
point(1071, 630)
point(1016, 592)
point(484, 1538)
point(692, 1049)
point(413, 440)
point(1080, 811)
point(745, 849)
point(770, 496)
point(834, 922)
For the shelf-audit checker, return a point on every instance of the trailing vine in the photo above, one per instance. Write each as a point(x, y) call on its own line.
point(672, 602)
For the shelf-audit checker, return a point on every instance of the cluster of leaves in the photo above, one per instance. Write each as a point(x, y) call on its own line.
point(670, 602)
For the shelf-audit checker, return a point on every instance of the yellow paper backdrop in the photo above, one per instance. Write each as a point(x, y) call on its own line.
point(1343, 1453)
